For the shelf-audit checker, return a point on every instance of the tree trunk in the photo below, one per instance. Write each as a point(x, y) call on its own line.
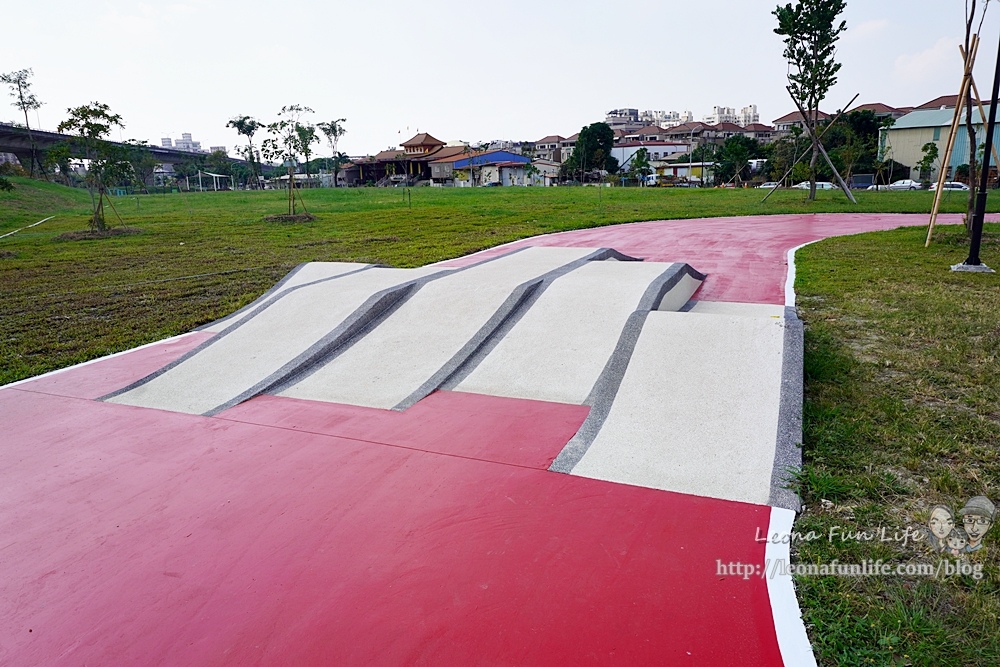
point(973, 181)
point(812, 171)
point(291, 191)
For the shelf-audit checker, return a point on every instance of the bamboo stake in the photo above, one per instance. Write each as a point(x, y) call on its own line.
point(955, 123)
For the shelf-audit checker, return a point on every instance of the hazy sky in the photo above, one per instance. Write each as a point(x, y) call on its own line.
point(469, 70)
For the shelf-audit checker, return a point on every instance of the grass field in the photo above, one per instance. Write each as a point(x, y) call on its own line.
point(901, 355)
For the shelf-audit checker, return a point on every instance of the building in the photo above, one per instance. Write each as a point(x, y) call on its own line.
point(785, 124)
point(185, 143)
point(548, 148)
point(721, 115)
point(618, 117)
point(748, 115)
point(656, 151)
point(483, 168)
point(904, 141)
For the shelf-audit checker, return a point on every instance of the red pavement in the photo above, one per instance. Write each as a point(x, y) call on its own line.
point(291, 532)
point(744, 257)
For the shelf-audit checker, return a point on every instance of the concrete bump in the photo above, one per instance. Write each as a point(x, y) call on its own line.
point(696, 411)
point(602, 395)
point(423, 343)
point(788, 448)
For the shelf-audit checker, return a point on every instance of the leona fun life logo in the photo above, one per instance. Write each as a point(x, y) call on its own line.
point(963, 533)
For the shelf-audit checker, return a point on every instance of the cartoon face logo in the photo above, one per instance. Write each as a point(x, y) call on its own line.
point(957, 541)
point(941, 522)
point(977, 518)
point(973, 522)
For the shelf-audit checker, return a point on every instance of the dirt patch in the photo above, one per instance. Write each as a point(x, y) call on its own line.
point(298, 217)
point(7, 254)
point(93, 234)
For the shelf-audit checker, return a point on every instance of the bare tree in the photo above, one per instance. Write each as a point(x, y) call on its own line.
point(970, 21)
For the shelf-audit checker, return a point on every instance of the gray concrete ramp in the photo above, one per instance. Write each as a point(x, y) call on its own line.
point(558, 349)
point(696, 410)
point(303, 274)
point(273, 340)
point(430, 336)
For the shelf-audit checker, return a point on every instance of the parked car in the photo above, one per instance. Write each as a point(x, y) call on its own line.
point(820, 185)
point(951, 185)
point(905, 184)
point(768, 185)
point(877, 187)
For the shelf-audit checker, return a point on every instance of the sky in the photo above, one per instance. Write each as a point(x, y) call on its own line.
point(469, 71)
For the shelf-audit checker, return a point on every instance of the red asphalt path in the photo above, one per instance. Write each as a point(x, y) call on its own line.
point(294, 532)
point(744, 257)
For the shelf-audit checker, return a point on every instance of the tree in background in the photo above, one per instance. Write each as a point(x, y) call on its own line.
point(285, 144)
point(593, 151)
point(143, 162)
point(107, 163)
point(811, 32)
point(307, 137)
point(247, 126)
point(25, 100)
point(333, 131)
point(926, 163)
point(639, 166)
point(732, 162)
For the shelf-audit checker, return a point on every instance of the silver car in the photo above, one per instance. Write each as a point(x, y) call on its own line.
point(905, 184)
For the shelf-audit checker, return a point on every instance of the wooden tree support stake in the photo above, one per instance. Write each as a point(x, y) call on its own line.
point(955, 124)
point(819, 144)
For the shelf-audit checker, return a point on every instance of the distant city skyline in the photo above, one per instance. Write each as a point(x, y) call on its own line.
point(460, 71)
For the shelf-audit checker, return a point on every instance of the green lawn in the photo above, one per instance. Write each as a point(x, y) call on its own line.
point(901, 355)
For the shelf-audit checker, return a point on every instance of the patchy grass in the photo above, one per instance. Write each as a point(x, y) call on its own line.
point(901, 413)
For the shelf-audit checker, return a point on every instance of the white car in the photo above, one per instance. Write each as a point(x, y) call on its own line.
point(877, 187)
point(768, 185)
point(820, 185)
point(951, 185)
point(905, 184)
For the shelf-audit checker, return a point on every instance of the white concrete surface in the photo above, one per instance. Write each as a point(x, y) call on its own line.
point(766, 310)
point(556, 352)
point(680, 294)
point(308, 273)
point(697, 409)
point(263, 344)
point(401, 354)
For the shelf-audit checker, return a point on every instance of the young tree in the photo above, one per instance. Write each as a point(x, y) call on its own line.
point(333, 131)
point(971, 12)
point(285, 144)
point(733, 159)
point(25, 100)
point(811, 32)
point(337, 163)
point(107, 163)
point(307, 137)
point(926, 163)
point(639, 167)
point(247, 126)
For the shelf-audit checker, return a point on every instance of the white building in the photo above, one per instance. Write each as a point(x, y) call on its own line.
point(185, 143)
point(748, 116)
